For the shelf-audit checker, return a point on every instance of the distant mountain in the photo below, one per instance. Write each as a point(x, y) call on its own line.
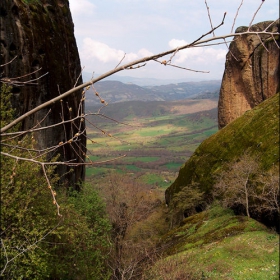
point(138, 81)
point(115, 91)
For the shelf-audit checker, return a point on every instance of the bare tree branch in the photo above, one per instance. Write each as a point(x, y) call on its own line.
point(130, 65)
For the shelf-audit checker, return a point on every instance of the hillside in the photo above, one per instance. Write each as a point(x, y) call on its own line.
point(216, 244)
point(224, 244)
point(141, 109)
point(256, 133)
point(115, 91)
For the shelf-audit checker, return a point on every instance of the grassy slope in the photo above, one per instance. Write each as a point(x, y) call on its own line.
point(216, 244)
point(256, 132)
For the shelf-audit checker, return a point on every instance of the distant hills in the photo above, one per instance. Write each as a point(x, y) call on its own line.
point(116, 91)
point(138, 81)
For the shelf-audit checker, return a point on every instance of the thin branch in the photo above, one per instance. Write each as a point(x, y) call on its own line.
point(9, 61)
point(121, 60)
point(184, 68)
point(27, 248)
point(52, 191)
point(209, 16)
point(262, 43)
point(271, 24)
point(79, 76)
point(250, 24)
point(236, 16)
point(189, 69)
point(197, 42)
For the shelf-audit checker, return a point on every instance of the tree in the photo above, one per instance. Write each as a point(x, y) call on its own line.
point(128, 203)
point(266, 193)
point(234, 183)
point(243, 183)
point(36, 243)
point(184, 203)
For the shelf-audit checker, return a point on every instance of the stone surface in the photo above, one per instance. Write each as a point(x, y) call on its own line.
point(251, 73)
point(40, 34)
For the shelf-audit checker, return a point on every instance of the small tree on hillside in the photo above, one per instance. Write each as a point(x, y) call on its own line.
point(243, 183)
point(266, 194)
point(184, 202)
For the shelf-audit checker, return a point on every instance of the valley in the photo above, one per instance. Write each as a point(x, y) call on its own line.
point(148, 139)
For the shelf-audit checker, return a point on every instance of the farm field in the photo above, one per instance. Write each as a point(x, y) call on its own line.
point(151, 146)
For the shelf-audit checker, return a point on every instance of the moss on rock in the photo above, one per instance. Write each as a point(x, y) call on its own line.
point(256, 132)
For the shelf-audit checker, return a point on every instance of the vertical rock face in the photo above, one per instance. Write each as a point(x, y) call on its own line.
point(40, 35)
point(251, 73)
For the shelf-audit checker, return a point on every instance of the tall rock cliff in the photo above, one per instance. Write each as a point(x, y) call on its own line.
point(252, 73)
point(40, 34)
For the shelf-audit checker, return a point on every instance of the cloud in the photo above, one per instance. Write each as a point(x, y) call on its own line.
point(92, 49)
point(196, 54)
point(81, 7)
point(100, 51)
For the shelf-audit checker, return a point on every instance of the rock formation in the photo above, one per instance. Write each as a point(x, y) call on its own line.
point(40, 34)
point(251, 73)
point(256, 133)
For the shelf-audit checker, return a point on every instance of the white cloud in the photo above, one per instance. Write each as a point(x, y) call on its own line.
point(92, 49)
point(144, 53)
point(101, 51)
point(81, 7)
point(196, 54)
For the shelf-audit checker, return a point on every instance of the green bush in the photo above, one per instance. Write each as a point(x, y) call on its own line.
point(36, 243)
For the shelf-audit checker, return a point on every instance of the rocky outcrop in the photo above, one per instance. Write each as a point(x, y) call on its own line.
point(40, 35)
point(256, 133)
point(251, 73)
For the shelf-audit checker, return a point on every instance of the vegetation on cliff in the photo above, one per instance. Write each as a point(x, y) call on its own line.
point(35, 242)
point(255, 133)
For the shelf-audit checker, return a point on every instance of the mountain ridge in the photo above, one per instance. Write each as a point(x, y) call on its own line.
point(116, 91)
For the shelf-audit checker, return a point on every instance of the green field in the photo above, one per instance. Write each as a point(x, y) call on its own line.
point(155, 145)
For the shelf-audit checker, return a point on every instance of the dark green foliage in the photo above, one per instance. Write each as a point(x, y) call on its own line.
point(5, 105)
point(35, 242)
point(184, 202)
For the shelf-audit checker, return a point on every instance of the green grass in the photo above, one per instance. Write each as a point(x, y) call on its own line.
point(173, 165)
point(142, 159)
point(159, 180)
point(224, 245)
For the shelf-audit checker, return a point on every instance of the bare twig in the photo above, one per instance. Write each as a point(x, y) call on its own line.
point(9, 61)
point(121, 60)
point(209, 16)
point(79, 77)
point(236, 16)
point(250, 24)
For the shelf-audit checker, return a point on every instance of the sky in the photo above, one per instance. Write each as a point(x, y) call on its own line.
point(105, 30)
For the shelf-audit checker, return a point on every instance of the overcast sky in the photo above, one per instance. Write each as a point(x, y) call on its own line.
point(106, 29)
